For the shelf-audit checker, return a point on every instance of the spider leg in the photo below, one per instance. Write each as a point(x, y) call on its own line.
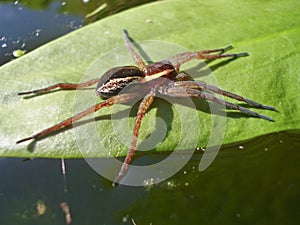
point(178, 59)
point(64, 86)
point(136, 57)
point(203, 86)
point(187, 92)
point(109, 102)
point(145, 104)
point(221, 50)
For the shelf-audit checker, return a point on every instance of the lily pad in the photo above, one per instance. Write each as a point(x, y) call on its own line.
point(268, 31)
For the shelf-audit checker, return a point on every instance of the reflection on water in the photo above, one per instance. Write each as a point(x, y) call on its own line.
point(256, 184)
point(36, 29)
point(26, 25)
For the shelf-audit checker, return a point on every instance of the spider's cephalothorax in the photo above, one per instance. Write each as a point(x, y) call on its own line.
point(160, 69)
point(145, 82)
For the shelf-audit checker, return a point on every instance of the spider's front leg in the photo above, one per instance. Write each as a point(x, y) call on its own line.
point(136, 57)
point(188, 92)
point(109, 102)
point(178, 59)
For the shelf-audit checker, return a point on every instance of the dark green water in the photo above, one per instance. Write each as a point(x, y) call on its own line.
point(256, 182)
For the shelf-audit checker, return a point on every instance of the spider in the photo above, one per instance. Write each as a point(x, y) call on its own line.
point(147, 82)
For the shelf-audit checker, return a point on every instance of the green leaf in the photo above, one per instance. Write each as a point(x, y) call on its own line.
point(269, 31)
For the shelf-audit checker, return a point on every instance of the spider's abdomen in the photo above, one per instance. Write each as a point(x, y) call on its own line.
point(115, 79)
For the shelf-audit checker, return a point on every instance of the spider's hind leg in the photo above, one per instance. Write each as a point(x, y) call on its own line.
point(187, 92)
point(107, 103)
point(144, 106)
point(203, 86)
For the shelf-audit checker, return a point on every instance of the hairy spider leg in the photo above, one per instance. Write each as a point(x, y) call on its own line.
point(143, 107)
point(203, 86)
point(64, 86)
point(221, 50)
point(187, 92)
point(178, 59)
point(109, 102)
point(136, 57)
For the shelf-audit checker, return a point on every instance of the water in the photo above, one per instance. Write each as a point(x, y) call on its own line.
point(258, 184)
point(255, 182)
point(26, 25)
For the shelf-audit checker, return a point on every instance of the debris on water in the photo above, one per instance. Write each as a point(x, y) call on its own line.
point(241, 147)
point(18, 53)
point(96, 11)
point(36, 32)
point(133, 222)
point(200, 149)
point(125, 218)
point(41, 207)
point(65, 208)
point(171, 185)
